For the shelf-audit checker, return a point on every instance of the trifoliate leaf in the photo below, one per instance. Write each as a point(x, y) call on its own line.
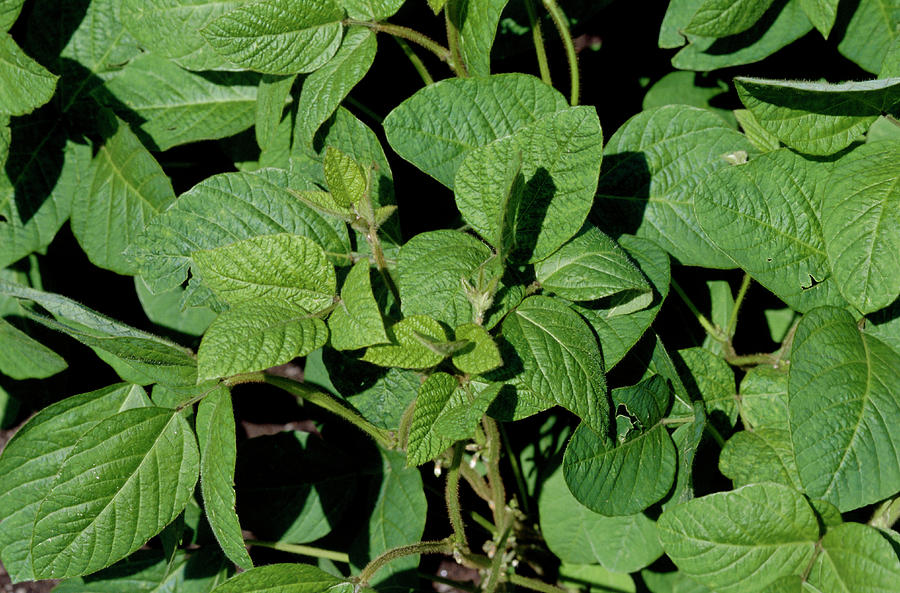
point(410, 348)
point(356, 321)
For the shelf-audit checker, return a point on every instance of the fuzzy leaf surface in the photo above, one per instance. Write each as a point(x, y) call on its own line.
point(435, 397)
point(855, 558)
point(413, 340)
point(482, 356)
point(356, 322)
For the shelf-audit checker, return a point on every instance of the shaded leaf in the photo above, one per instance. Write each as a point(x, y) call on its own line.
point(25, 85)
point(22, 357)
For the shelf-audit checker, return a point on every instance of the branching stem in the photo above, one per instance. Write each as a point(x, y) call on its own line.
point(416, 61)
point(444, 546)
point(442, 53)
point(535, 585)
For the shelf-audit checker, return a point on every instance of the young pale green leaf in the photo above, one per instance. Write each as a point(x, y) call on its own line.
point(371, 10)
point(651, 167)
point(558, 157)
point(870, 32)
point(439, 125)
point(765, 215)
point(290, 270)
point(763, 398)
point(761, 455)
point(22, 357)
point(25, 85)
point(821, 13)
point(325, 203)
point(741, 540)
point(477, 25)
point(559, 357)
point(592, 266)
point(464, 413)
point(217, 212)
point(815, 117)
point(856, 558)
point(721, 18)
point(762, 139)
point(168, 106)
point(285, 578)
point(256, 335)
point(346, 180)
point(49, 437)
point(356, 322)
point(278, 36)
point(148, 355)
point(439, 393)
point(579, 535)
point(324, 89)
point(165, 309)
point(861, 225)
point(481, 356)
point(782, 24)
point(215, 433)
point(171, 29)
point(411, 344)
point(619, 479)
point(844, 400)
point(273, 93)
point(103, 486)
point(126, 188)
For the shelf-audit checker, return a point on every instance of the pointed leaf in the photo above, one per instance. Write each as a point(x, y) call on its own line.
point(821, 13)
point(22, 357)
point(762, 139)
point(356, 322)
point(870, 32)
point(477, 24)
point(436, 396)
point(25, 85)
point(410, 339)
point(460, 419)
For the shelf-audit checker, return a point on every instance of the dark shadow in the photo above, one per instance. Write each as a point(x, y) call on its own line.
point(532, 200)
point(622, 193)
point(733, 43)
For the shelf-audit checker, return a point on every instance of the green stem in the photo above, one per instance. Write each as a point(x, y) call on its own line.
point(488, 526)
point(416, 61)
point(497, 568)
point(442, 53)
point(301, 550)
point(453, 41)
point(451, 494)
point(539, 48)
point(476, 482)
point(363, 108)
point(378, 253)
point(715, 434)
point(714, 332)
point(733, 317)
point(562, 25)
point(444, 546)
point(745, 360)
point(405, 423)
point(670, 421)
point(535, 585)
point(517, 470)
point(328, 402)
point(498, 492)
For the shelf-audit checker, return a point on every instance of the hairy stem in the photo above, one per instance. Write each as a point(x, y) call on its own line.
point(476, 482)
point(459, 64)
point(714, 332)
point(562, 25)
point(497, 569)
point(442, 53)
point(301, 550)
point(415, 60)
point(733, 317)
point(538, 37)
point(444, 546)
point(535, 585)
point(451, 494)
point(498, 492)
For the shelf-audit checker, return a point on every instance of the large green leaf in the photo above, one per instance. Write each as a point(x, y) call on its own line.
point(126, 188)
point(9, 12)
point(741, 540)
point(104, 485)
point(651, 168)
point(439, 393)
point(761, 455)
point(689, 88)
point(559, 359)
point(22, 357)
point(861, 225)
point(765, 215)
point(371, 10)
point(481, 355)
point(477, 22)
point(215, 433)
point(557, 158)
point(578, 535)
point(324, 89)
point(870, 32)
point(286, 578)
point(763, 398)
point(439, 125)
point(278, 36)
point(816, 117)
point(169, 106)
point(356, 322)
point(32, 459)
point(415, 344)
point(221, 210)
point(678, 15)
point(721, 18)
point(25, 85)
point(855, 558)
point(171, 29)
point(844, 400)
point(256, 335)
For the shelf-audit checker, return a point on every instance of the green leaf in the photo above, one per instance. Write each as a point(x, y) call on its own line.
point(861, 225)
point(460, 419)
point(781, 25)
point(855, 558)
point(412, 344)
point(762, 139)
point(763, 398)
point(814, 117)
point(22, 357)
point(437, 127)
point(765, 214)
point(618, 333)
point(137, 489)
point(596, 577)
point(273, 93)
point(476, 21)
point(165, 309)
point(821, 13)
point(168, 106)
point(256, 335)
point(346, 180)
point(678, 15)
point(870, 32)
point(592, 266)
point(436, 5)
point(761, 455)
point(711, 379)
point(145, 354)
point(356, 322)
point(284, 578)
point(558, 157)
point(687, 439)
point(26, 85)
point(126, 188)
point(371, 10)
point(436, 396)
point(721, 18)
point(560, 361)
point(9, 12)
point(885, 325)
point(741, 540)
point(289, 270)
point(844, 397)
point(215, 433)
point(50, 436)
point(482, 356)
point(278, 36)
point(651, 168)
point(688, 88)
point(324, 89)
point(578, 535)
point(219, 211)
